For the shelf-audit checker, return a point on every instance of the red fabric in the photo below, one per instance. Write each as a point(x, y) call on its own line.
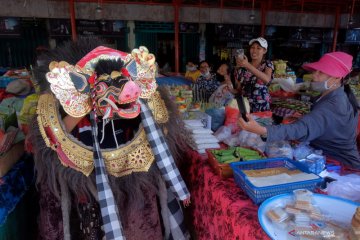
point(232, 118)
point(4, 94)
point(344, 169)
point(98, 52)
point(219, 208)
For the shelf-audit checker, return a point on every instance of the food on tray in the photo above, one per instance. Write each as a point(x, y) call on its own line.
point(270, 172)
point(303, 199)
point(179, 100)
point(292, 210)
point(182, 108)
point(277, 214)
point(306, 223)
point(196, 107)
point(234, 154)
point(355, 225)
point(186, 93)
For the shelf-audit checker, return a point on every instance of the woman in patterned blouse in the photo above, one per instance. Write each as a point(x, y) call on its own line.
point(206, 83)
point(253, 77)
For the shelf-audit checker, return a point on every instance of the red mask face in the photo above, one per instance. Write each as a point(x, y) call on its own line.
point(117, 98)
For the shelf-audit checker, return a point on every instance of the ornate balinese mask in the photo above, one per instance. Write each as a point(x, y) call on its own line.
point(116, 97)
point(106, 80)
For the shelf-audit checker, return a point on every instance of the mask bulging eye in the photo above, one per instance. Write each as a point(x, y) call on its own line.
point(101, 87)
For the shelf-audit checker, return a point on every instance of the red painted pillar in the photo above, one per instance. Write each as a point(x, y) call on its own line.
point(336, 28)
point(263, 18)
point(72, 18)
point(176, 23)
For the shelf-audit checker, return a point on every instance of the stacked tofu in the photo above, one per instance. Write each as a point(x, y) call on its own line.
point(202, 138)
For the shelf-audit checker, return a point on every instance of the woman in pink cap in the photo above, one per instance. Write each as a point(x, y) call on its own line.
point(331, 124)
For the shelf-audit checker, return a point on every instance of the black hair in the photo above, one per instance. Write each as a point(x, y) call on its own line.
point(107, 66)
point(70, 52)
point(194, 61)
point(221, 78)
point(227, 64)
point(203, 61)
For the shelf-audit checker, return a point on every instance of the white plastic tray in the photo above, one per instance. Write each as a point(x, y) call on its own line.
point(338, 209)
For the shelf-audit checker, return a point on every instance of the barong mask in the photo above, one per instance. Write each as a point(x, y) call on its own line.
point(87, 86)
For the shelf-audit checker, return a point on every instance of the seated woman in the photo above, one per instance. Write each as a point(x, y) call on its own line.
point(206, 84)
point(192, 72)
point(331, 124)
point(224, 93)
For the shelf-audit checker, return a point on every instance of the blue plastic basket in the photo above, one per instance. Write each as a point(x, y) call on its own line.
point(259, 194)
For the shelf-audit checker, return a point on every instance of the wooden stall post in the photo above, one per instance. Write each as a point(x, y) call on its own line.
point(176, 42)
point(72, 18)
point(336, 28)
point(263, 17)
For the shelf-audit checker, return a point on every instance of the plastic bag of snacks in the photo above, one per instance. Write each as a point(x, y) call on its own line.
point(223, 133)
point(248, 139)
point(278, 216)
point(279, 149)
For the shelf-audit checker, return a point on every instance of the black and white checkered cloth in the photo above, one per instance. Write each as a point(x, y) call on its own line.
point(109, 212)
point(164, 159)
point(177, 189)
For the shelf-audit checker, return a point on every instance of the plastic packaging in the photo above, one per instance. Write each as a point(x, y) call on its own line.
point(310, 158)
point(314, 163)
point(277, 214)
point(217, 117)
point(302, 150)
point(223, 133)
point(232, 141)
point(347, 186)
point(248, 139)
point(279, 149)
point(303, 199)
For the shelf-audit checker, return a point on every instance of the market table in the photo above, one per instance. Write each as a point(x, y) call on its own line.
point(219, 208)
point(18, 201)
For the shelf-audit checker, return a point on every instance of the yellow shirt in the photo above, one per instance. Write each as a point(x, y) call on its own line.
point(193, 76)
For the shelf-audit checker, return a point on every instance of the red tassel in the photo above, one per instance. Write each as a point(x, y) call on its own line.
point(125, 72)
point(92, 79)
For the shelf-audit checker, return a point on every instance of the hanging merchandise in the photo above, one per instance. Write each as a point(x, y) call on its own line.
point(224, 54)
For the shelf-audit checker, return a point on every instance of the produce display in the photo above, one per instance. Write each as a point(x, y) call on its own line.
point(195, 107)
point(280, 67)
point(291, 104)
point(234, 154)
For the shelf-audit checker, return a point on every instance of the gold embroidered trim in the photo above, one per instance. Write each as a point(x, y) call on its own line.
point(134, 156)
point(158, 108)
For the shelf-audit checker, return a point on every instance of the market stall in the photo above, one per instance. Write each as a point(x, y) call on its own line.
point(224, 207)
point(219, 209)
point(17, 195)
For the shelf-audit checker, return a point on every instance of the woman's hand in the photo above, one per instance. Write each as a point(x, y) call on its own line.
point(186, 202)
point(252, 125)
point(227, 80)
point(242, 62)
